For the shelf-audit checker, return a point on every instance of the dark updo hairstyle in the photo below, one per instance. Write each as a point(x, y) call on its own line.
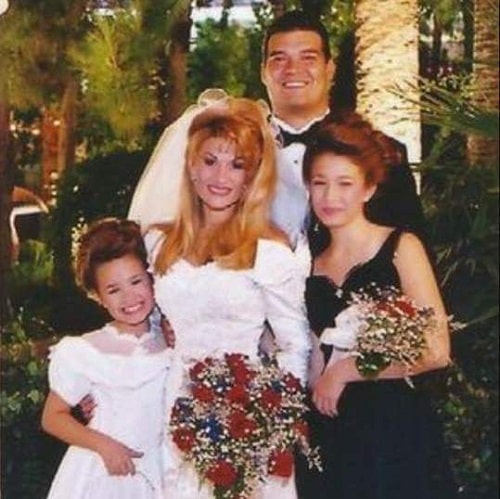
point(106, 240)
point(353, 137)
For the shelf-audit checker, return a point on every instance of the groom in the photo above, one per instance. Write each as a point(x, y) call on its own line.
point(297, 70)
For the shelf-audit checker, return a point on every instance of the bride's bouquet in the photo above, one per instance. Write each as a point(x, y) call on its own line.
point(380, 327)
point(242, 423)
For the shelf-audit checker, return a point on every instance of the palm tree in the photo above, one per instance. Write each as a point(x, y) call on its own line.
point(484, 94)
point(386, 56)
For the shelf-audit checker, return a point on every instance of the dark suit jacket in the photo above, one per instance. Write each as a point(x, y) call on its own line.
point(396, 202)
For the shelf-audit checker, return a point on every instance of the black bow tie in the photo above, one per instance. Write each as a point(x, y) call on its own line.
point(304, 137)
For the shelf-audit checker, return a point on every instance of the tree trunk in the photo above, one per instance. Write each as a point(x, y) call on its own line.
point(50, 140)
point(484, 94)
point(66, 143)
point(177, 65)
point(437, 34)
point(386, 56)
point(6, 186)
point(468, 17)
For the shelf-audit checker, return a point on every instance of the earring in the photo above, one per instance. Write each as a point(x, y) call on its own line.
point(316, 227)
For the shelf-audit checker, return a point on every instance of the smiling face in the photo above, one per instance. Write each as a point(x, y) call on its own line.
point(219, 177)
point(338, 190)
point(297, 75)
point(125, 289)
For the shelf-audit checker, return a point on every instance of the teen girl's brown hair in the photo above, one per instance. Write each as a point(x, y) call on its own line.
point(355, 138)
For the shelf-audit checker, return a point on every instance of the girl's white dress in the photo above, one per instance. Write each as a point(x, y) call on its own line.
point(126, 377)
point(214, 311)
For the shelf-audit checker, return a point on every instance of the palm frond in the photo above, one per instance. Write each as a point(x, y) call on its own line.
point(448, 109)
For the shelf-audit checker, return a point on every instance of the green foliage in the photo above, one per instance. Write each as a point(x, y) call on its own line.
point(220, 59)
point(97, 188)
point(117, 65)
point(34, 40)
point(19, 61)
point(461, 203)
point(30, 279)
point(470, 413)
point(452, 110)
point(35, 264)
point(28, 456)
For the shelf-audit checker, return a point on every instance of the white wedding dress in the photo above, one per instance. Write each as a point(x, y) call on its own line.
point(126, 377)
point(214, 311)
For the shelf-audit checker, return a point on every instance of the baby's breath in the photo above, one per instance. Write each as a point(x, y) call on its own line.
point(242, 423)
point(392, 329)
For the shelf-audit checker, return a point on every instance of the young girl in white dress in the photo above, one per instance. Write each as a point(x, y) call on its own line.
point(122, 365)
point(222, 271)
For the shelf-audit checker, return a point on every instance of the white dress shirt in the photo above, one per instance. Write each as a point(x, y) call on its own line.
point(290, 207)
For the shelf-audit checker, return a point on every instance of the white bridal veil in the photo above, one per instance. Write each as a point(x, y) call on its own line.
point(156, 195)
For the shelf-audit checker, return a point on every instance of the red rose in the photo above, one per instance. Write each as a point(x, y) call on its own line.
point(239, 370)
point(302, 428)
point(238, 394)
point(222, 474)
point(184, 439)
point(405, 307)
point(240, 426)
point(197, 369)
point(203, 393)
point(292, 383)
point(242, 374)
point(233, 359)
point(385, 306)
point(281, 464)
point(270, 399)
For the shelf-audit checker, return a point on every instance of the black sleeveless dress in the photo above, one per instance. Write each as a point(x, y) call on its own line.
point(386, 442)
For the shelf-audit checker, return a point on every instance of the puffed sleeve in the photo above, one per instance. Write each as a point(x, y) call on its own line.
point(281, 279)
point(65, 377)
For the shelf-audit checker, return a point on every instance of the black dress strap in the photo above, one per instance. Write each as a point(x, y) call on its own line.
point(388, 248)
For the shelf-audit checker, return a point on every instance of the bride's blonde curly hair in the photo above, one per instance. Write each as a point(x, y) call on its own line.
point(243, 123)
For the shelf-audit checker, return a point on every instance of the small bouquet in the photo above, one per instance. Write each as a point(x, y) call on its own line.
point(380, 327)
point(242, 423)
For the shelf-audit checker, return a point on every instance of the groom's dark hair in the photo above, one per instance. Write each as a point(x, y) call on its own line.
point(297, 20)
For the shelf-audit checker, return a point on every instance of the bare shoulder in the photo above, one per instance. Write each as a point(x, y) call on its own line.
point(410, 250)
point(409, 242)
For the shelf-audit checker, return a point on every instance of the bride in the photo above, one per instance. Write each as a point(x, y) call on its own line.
point(222, 271)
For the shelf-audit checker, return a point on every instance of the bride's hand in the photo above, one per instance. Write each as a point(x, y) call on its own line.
point(327, 392)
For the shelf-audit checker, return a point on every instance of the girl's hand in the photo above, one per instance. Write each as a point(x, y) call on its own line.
point(327, 392)
point(117, 457)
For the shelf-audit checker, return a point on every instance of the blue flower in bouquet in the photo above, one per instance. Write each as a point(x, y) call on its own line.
point(212, 428)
